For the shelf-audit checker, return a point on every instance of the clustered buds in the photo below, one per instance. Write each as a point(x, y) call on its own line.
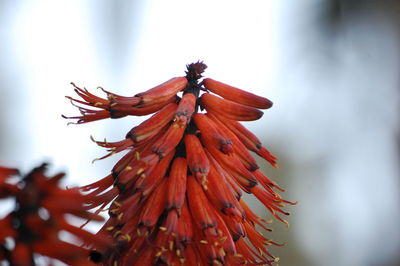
point(33, 227)
point(176, 195)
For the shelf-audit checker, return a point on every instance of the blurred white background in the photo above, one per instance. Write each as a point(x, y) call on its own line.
point(331, 67)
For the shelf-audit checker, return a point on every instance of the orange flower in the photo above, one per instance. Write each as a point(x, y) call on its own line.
point(176, 196)
point(39, 216)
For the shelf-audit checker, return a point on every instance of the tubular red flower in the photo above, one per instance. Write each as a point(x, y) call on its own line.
point(176, 194)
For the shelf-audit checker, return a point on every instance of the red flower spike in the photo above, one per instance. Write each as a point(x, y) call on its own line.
point(39, 217)
point(176, 195)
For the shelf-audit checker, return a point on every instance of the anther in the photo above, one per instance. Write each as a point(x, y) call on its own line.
point(137, 155)
point(141, 170)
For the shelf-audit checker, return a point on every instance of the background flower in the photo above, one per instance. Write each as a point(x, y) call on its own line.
point(32, 230)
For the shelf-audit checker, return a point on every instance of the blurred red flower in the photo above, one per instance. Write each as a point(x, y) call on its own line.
point(33, 227)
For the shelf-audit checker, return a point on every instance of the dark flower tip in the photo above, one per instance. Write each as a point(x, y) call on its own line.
point(194, 70)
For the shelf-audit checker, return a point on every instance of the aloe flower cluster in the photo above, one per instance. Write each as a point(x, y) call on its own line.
point(33, 227)
point(175, 197)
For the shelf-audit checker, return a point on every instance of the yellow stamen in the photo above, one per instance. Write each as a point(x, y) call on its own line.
point(158, 254)
point(216, 262)
point(126, 237)
point(286, 223)
point(137, 156)
point(141, 170)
